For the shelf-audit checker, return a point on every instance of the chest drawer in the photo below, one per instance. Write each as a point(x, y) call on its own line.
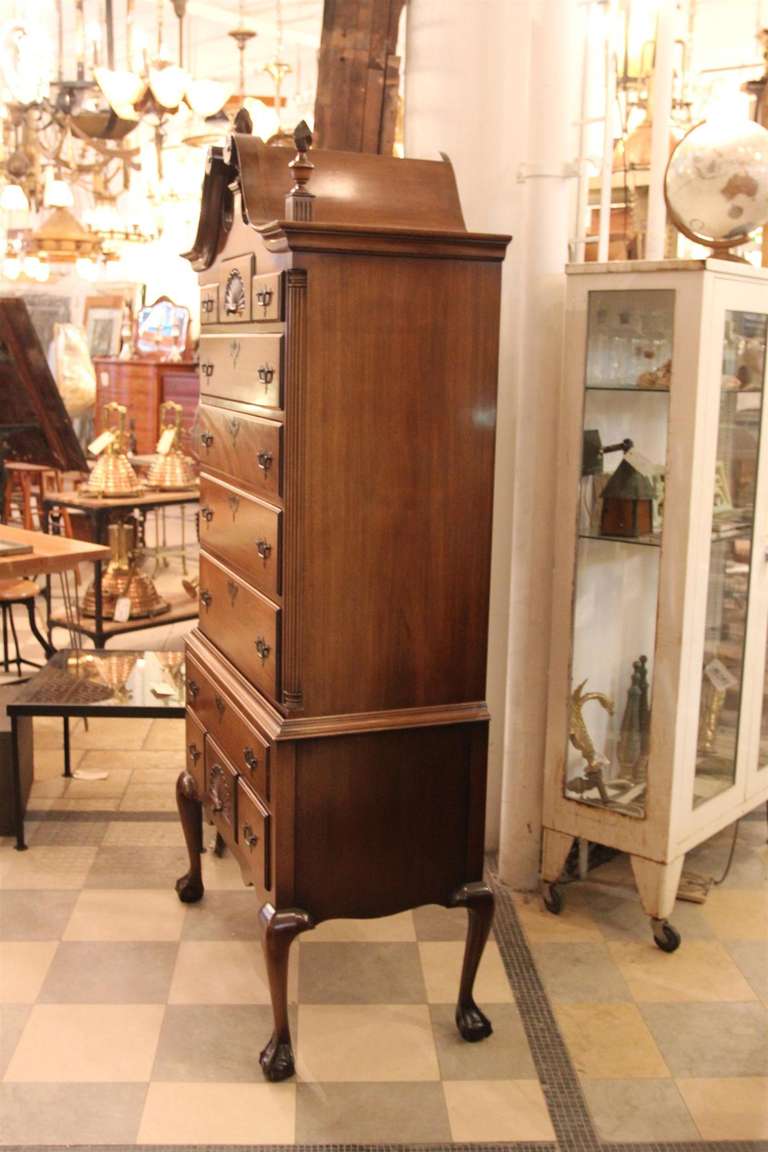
point(195, 751)
point(267, 297)
point(209, 304)
point(244, 532)
point(246, 448)
point(220, 790)
point(253, 836)
point(245, 367)
point(235, 279)
point(241, 623)
point(242, 744)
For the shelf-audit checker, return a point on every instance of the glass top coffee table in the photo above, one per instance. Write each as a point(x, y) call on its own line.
point(78, 682)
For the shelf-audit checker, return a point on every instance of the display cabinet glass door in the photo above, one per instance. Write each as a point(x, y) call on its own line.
point(621, 511)
point(731, 553)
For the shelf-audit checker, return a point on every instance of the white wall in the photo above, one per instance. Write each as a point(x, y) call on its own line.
point(492, 83)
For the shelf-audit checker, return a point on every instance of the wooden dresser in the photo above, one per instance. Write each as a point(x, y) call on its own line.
point(143, 385)
point(336, 723)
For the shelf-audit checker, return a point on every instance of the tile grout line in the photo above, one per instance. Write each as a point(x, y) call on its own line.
point(561, 1086)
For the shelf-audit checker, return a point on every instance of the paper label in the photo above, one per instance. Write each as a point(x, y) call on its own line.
point(719, 676)
point(122, 611)
point(101, 442)
point(165, 443)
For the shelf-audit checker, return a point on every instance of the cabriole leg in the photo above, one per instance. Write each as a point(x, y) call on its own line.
point(477, 898)
point(190, 885)
point(278, 931)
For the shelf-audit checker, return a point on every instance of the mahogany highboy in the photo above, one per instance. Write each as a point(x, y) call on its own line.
point(336, 723)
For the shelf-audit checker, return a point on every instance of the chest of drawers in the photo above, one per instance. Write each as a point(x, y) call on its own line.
point(337, 729)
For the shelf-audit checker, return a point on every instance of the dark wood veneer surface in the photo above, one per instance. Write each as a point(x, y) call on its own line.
point(366, 713)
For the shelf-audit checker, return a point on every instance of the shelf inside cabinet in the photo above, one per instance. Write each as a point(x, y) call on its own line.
point(625, 388)
point(644, 541)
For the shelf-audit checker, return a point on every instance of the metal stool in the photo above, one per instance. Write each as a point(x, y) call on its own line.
point(20, 592)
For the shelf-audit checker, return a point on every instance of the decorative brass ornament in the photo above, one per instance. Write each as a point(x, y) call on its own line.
point(580, 738)
point(124, 578)
point(170, 470)
point(113, 474)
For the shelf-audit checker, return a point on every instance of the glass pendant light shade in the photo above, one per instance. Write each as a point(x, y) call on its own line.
point(122, 90)
point(168, 85)
point(58, 194)
point(206, 97)
point(14, 199)
point(265, 119)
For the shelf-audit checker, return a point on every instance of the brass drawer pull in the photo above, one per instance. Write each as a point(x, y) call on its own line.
point(206, 599)
point(250, 836)
point(262, 648)
point(264, 461)
point(264, 297)
point(251, 759)
point(208, 304)
point(206, 439)
point(194, 753)
point(263, 547)
point(266, 374)
point(206, 513)
point(206, 368)
point(193, 688)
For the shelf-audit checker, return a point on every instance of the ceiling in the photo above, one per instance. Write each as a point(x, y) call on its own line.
point(209, 52)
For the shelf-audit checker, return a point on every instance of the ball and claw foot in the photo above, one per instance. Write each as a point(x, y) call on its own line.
point(277, 1060)
point(666, 937)
point(473, 1024)
point(553, 898)
point(189, 889)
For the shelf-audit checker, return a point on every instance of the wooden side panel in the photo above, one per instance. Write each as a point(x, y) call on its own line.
point(400, 418)
point(392, 807)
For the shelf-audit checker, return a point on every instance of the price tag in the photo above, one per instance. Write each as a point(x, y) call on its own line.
point(165, 443)
point(719, 676)
point(101, 442)
point(122, 611)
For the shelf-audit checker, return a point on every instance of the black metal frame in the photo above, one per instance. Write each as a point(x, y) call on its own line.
point(99, 519)
point(33, 708)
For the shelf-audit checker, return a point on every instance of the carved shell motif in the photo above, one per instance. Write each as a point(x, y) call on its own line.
point(234, 294)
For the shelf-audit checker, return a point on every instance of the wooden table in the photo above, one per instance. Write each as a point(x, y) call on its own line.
point(49, 553)
point(100, 511)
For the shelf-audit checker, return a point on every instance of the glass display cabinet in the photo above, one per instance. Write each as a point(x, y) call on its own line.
point(657, 722)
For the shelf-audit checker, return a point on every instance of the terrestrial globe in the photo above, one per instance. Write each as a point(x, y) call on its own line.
point(716, 184)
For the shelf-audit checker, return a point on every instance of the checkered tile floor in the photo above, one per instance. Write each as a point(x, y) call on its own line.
point(128, 1018)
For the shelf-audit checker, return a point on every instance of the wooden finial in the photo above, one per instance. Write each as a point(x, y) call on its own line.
point(298, 202)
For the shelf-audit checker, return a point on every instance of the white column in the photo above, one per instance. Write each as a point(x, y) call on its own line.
point(489, 82)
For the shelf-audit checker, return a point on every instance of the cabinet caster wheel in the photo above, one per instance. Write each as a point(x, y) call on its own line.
point(189, 889)
point(666, 937)
point(553, 898)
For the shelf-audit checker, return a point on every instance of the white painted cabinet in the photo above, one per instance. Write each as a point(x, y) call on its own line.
point(658, 711)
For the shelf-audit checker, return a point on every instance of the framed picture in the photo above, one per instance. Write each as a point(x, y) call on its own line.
point(102, 329)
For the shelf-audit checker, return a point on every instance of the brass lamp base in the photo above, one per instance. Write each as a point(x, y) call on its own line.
point(136, 585)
